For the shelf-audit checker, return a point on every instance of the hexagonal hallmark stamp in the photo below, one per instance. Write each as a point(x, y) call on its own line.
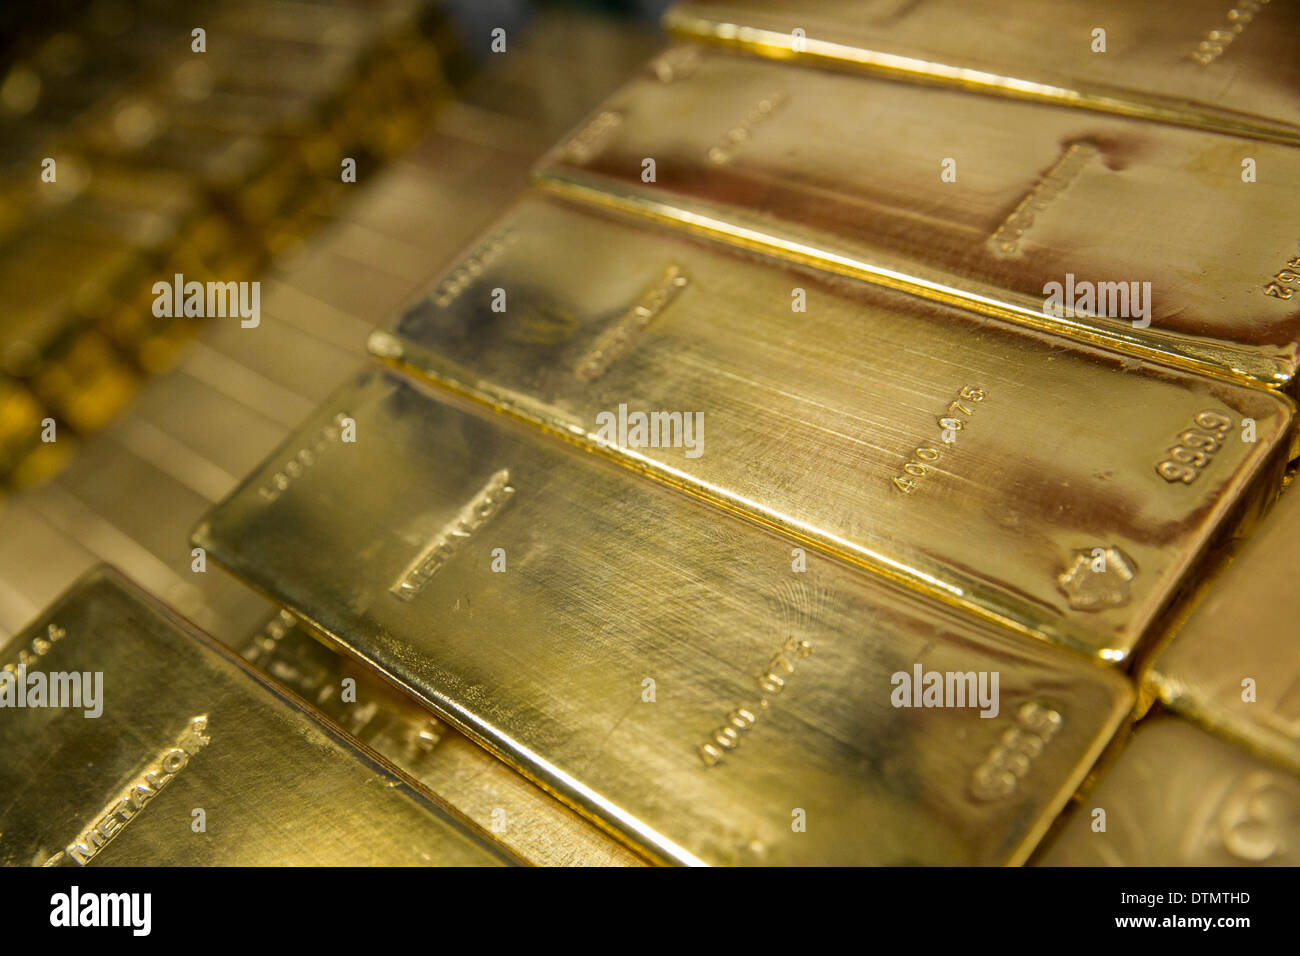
point(1097, 579)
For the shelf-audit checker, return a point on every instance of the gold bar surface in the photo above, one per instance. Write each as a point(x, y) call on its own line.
point(184, 726)
point(1233, 665)
point(1060, 490)
point(520, 816)
point(1195, 63)
point(1196, 267)
point(1177, 796)
point(662, 667)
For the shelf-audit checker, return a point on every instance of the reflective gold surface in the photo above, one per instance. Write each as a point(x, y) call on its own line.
point(518, 815)
point(658, 664)
point(1049, 486)
point(843, 173)
point(1197, 62)
point(1234, 664)
point(185, 727)
point(1178, 796)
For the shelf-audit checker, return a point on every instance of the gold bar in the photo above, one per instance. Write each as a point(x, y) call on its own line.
point(1195, 63)
point(663, 668)
point(1177, 796)
point(1056, 489)
point(1233, 665)
point(985, 204)
point(519, 815)
point(183, 727)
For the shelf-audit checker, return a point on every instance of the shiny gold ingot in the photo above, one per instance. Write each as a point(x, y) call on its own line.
point(1057, 489)
point(1156, 245)
point(1233, 664)
point(1177, 796)
point(519, 815)
point(663, 667)
point(186, 727)
point(1193, 63)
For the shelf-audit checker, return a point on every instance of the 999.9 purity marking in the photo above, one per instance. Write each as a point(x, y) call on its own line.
point(1011, 758)
point(1195, 448)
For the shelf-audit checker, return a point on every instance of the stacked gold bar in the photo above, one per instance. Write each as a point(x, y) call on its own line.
point(133, 491)
point(813, 468)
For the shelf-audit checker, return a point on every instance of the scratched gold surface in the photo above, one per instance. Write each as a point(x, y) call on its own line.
point(1233, 665)
point(611, 581)
point(1227, 67)
point(518, 815)
point(277, 786)
point(846, 174)
point(829, 424)
point(1177, 796)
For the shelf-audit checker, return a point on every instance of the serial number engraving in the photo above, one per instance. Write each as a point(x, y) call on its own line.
point(1195, 448)
point(303, 459)
point(40, 646)
point(1284, 282)
point(741, 720)
point(738, 135)
point(1218, 40)
point(925, 457)
point(1012, 757)
point(472, 266)
point(589, 140)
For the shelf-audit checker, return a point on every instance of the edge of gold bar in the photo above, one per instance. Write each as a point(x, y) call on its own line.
point(1232, 71)
point(178, 732)
point(1047, 217)
point(1232, 664)
point(1178, 796)
point(520, 816)
point(1043, 484)
point(663, 667)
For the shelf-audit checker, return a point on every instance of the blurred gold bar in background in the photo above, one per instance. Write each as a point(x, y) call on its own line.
point(1233, 664)
point(519, 815)
point(206, 164)
point(663, 667)
point(192, 759)
point(134, 490)
point(1055, 488)
point(983, 204)
point(1177, 796)
point(1198, 63)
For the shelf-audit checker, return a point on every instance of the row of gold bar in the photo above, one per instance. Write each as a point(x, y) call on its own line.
point(134, 489)
point(185, 159)
point(888, 463)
